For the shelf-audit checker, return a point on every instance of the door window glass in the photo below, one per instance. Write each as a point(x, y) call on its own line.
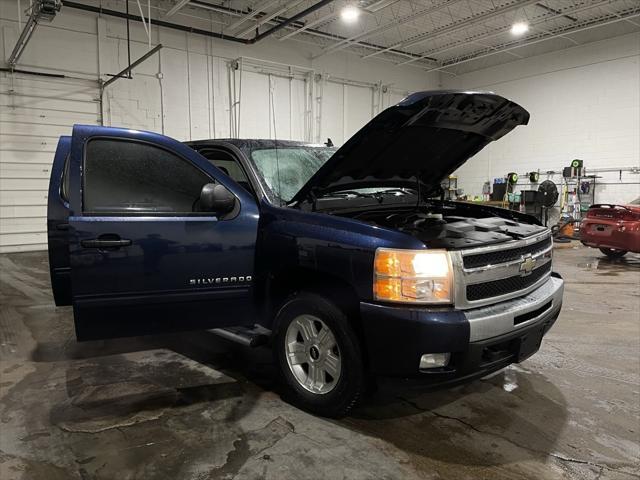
point(230, 166)
point(127, 177)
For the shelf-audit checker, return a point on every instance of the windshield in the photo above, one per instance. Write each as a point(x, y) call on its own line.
point(286, 170)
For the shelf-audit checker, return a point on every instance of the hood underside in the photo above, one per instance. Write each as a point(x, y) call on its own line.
point(424, 138)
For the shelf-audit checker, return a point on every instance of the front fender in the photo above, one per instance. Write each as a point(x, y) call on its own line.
point(335, 246)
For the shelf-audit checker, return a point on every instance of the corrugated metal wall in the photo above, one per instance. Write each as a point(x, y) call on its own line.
point(34, 112)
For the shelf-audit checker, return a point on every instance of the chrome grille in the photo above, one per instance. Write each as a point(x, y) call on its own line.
point(507, 285)
point(507, 255)
point(492, 274)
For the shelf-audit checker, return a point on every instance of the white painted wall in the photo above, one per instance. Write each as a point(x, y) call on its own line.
point(584, 103)
point(188, 92)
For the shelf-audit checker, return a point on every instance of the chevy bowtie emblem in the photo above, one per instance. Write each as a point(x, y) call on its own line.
point(527, 265)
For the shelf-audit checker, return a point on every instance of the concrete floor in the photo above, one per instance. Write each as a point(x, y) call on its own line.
point(192, 406)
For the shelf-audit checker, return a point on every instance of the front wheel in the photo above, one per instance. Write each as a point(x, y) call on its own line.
point(613, 253)
point(319, 356)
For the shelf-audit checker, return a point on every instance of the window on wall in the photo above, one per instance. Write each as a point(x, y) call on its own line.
point(129, 177)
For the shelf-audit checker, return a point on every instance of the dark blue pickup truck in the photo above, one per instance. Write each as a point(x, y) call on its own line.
point(349, 261)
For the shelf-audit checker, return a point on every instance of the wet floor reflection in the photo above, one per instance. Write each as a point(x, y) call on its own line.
point(509, 417)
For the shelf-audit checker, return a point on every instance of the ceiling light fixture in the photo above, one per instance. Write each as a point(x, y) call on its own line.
point(349, 14)
point(519, 28)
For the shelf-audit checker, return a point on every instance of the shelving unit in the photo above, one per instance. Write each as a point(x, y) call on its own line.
point(575, 202)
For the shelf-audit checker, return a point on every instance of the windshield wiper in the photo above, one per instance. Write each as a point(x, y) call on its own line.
point(378, 195)
point(394, 191)
point(346, 193)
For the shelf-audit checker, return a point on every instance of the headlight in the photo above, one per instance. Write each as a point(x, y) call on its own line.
point(413, 276)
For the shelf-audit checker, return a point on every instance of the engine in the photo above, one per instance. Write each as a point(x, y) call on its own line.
point(446, 228)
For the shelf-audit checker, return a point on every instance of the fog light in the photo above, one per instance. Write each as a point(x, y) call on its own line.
point(434, 360)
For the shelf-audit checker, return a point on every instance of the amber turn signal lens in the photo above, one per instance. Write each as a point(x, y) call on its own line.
point(388, 288)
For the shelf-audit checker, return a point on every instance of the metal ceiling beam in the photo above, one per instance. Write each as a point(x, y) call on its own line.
point(553, 10)
point(178, 6)
point(383, 28)
point(625, 19)
point(222, 36)
point(379, 5)
point(607, 20)
point(500, 31)
point(457, 26)
point(252, 13)
point(301, 27)
point(270, 16)
point(290, 20)
point(308, 25)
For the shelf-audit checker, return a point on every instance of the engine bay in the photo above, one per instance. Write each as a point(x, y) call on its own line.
point(450, 227)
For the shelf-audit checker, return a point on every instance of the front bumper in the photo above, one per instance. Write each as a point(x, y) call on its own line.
point(480, 340)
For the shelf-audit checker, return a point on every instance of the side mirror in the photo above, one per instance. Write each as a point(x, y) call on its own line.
point(216, 198)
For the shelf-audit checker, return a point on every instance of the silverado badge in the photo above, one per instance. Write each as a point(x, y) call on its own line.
point(219, 280)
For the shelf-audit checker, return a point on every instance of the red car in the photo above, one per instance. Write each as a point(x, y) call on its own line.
point(614, 229)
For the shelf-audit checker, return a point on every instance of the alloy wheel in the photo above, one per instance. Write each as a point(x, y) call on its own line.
point(312, 354)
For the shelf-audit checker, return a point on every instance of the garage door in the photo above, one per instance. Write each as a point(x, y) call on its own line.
point(272, 106)
point(345, 110)
point(34, 112)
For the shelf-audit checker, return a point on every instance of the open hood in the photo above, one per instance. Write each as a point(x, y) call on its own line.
point(425, 137)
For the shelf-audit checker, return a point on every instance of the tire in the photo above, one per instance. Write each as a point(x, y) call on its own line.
point(306, 356)
point(613, 253)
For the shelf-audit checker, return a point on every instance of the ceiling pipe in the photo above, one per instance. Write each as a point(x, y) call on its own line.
point(161, 23)
point(305, 27)
point(247, 41)
point(290, 20)
point(231, 38)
